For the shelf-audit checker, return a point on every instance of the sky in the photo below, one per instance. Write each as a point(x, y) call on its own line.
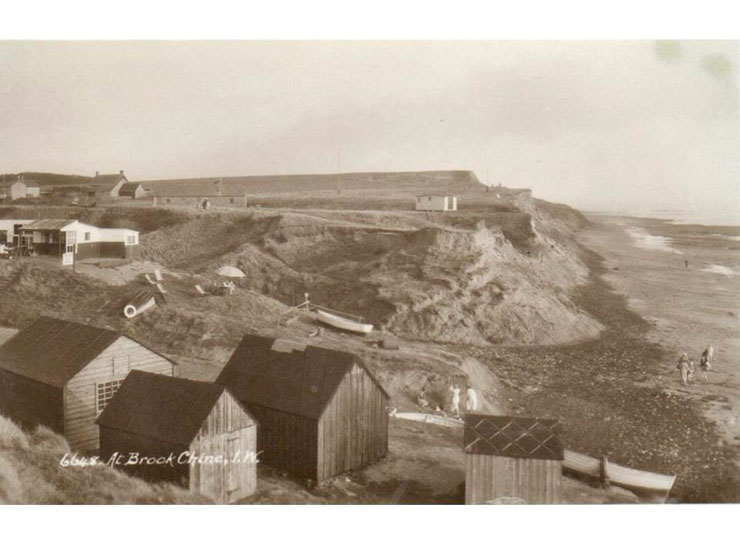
point(605, 125)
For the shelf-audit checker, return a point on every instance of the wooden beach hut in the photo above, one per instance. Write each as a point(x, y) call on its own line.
point(321, 412)
point(511, 459)
point(62, 375)
point(195, 434)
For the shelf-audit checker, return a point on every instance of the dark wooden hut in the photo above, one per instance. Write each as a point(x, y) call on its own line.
point(62, 375)
point(512, 459)
point(321, 412)
point(192, 433)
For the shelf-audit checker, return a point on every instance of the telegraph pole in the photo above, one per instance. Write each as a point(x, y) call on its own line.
point(339, 172)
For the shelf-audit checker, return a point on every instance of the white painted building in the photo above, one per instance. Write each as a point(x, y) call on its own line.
point(57, 237)
point(438, 203)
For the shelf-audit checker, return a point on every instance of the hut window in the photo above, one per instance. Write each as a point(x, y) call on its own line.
point(104, 393)
point(87, 236)
point(131, 240)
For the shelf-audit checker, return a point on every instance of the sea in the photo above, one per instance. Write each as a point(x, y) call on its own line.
point(730, 216)
point(684, 233)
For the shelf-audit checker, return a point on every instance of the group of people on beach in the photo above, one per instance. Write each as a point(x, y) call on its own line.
point(687, 369)
point(471, 400)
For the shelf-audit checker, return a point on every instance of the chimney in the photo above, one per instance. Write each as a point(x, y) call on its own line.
point(120, 172)
point(97, 173)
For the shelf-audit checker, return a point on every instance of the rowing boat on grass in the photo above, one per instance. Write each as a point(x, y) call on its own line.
point(342, 323)
point(628, 478)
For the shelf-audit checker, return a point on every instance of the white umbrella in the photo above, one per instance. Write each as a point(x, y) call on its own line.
point(230, 271)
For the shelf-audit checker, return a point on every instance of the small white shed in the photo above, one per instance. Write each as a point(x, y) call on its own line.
point(440, 203)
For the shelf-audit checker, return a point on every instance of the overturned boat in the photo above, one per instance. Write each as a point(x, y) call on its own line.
point(342, 323)
point(639, 481)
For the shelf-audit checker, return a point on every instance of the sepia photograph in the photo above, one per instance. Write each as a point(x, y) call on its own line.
point(369, 272)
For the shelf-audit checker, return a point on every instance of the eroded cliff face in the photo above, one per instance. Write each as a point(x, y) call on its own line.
point(492, 278)
point(474, 287)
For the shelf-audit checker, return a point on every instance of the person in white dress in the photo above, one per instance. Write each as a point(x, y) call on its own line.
point(455, 402)
point(471, 399)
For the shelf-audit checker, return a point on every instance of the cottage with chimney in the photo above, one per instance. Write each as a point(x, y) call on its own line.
point(108, 185)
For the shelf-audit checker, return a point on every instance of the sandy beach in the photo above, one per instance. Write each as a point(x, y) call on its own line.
point(684, 281)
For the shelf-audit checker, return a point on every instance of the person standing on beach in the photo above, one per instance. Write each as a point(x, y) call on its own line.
point(471, 399)
point(683, 367)
point(686, 262)
point(704, 364)
point(455, 401)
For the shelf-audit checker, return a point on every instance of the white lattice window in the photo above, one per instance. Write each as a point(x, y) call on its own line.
point(104, 393)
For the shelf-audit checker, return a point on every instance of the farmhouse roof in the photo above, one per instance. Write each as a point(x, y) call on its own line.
point(53, 351)
point(512, 436)
point(106, 182)
point(443, 195)
point(282, 375)
point(161, 407)
point(106, 178)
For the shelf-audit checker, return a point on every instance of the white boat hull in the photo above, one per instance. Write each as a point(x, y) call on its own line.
point(342, 323)
point(619, 475)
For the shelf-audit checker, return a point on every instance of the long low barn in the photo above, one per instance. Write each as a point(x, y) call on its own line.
point(58, 237)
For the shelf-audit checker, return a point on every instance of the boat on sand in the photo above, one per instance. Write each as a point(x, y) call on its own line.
point(641, 481)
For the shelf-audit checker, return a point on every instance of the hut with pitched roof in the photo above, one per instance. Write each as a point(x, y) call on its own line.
point(321, 412)
point(195, 434)
point(62, 375)
point(511, 459)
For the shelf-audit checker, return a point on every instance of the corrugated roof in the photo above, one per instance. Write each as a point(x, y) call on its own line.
point(161, 407)
point(286, 376)
point(512, 436)
point(48, 225)
point(52, 351)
